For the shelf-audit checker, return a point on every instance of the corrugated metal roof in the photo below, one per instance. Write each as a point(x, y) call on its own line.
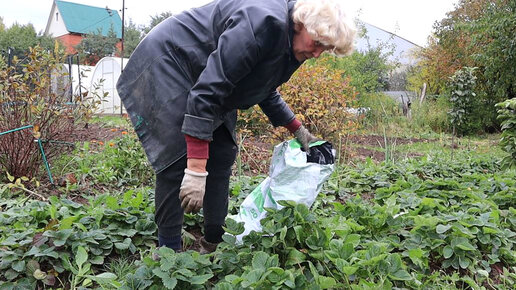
point(84, 19)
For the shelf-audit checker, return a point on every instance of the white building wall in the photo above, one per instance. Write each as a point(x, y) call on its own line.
point(55, 25)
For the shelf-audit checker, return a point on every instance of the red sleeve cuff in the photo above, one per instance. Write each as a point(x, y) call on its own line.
point(293, 126)
point(197, 148)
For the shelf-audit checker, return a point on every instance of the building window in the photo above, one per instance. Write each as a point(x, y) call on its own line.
point(57, 16)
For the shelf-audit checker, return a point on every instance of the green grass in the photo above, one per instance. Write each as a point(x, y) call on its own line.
point(444, 144)
point(121, 266)
point(116, 121)
point(438, 144)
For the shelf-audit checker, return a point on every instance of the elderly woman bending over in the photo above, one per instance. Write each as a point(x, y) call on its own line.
point(186, 80)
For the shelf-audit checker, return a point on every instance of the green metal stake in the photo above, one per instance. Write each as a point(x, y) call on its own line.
point(45, 161)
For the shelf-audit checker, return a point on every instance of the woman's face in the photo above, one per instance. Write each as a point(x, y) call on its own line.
point(304, 46)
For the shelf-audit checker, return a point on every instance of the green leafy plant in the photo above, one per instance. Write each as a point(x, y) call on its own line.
point(81, 271)
point(463, 102)
point(507, 115)
point(49, 233)
point(124, 165)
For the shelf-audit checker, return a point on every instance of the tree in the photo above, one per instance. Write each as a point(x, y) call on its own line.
point(449, 49)
point(132, 37)
point(95, 46)
point(369, 70)
point(495, 33)
point(463, 101)
point(478, 33)
point(21, 37)
point(156, 19)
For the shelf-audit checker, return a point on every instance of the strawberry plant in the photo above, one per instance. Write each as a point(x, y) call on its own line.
point(46, 236)
point(425, 223)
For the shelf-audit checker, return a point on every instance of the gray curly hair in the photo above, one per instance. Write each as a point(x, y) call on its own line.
point(326, 22)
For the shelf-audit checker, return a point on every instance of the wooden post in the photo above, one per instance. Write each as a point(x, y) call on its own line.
point(423, 93)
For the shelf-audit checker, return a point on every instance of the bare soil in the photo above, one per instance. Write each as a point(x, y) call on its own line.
point(255, 154)
point(94, 133)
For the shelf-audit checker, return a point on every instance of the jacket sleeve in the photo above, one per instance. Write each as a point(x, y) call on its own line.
point(238, 50)
point(277, 110)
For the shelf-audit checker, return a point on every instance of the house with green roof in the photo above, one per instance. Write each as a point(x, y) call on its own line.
point(69, 22)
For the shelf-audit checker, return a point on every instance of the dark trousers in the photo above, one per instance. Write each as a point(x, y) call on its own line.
point(169, 214)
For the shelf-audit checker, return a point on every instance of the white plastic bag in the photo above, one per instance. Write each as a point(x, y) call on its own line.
point(291, 177)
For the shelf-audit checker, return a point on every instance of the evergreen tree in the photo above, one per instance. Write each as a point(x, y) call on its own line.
point(95, 46)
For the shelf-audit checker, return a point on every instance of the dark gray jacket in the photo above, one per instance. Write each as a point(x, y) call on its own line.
point(194, 70)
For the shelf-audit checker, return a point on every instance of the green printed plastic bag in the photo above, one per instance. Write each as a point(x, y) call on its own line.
point(293, 175)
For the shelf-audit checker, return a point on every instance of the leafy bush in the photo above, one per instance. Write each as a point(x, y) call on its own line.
point(116, 164)
point(507, 115)
point(124, 164)
point(28, 96)
point(463, 102)
point(318, 96)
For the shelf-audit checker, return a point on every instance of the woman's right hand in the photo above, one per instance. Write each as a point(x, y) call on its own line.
point(193, 188)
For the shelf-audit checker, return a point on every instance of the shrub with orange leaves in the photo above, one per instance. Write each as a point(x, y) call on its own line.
point(318, 95)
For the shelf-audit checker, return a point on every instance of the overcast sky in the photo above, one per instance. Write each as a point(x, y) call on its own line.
point(410, 19)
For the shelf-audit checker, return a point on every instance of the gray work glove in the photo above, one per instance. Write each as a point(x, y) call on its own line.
point(305, 138)
point(192, 190)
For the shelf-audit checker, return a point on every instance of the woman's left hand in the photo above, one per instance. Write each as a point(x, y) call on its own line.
point(305, 138)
